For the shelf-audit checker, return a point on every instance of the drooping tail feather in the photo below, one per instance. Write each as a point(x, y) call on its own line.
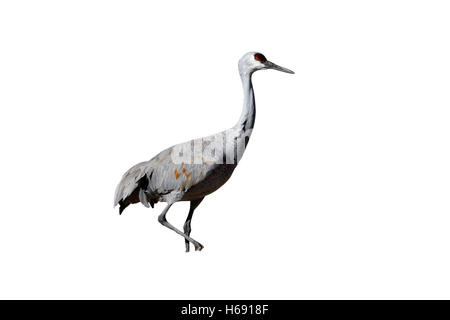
point(122, 206)
point(133, 187)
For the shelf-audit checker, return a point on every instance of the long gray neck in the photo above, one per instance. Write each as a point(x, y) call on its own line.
point(247, 119)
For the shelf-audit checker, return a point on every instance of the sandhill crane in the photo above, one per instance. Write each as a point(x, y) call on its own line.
point(192, 170)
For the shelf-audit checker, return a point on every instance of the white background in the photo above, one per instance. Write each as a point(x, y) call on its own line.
point(343, 191)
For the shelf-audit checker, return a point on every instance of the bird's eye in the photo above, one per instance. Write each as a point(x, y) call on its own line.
point(260, 57)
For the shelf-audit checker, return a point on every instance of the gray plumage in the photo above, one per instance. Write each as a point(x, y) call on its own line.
point(192, 170)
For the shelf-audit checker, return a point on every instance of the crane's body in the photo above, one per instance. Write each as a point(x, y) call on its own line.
point(194, 169)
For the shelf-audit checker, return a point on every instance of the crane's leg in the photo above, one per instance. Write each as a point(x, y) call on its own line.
point(164, 222)
point(187, 224)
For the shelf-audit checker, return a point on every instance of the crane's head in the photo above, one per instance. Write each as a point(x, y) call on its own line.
point(254, 61)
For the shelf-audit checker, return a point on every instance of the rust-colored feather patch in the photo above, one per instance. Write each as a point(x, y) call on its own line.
point(177, 174)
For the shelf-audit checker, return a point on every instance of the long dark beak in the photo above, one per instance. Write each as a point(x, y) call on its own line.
point(271, 65)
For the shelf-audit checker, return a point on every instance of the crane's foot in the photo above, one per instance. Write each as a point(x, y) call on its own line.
point(198, 247)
